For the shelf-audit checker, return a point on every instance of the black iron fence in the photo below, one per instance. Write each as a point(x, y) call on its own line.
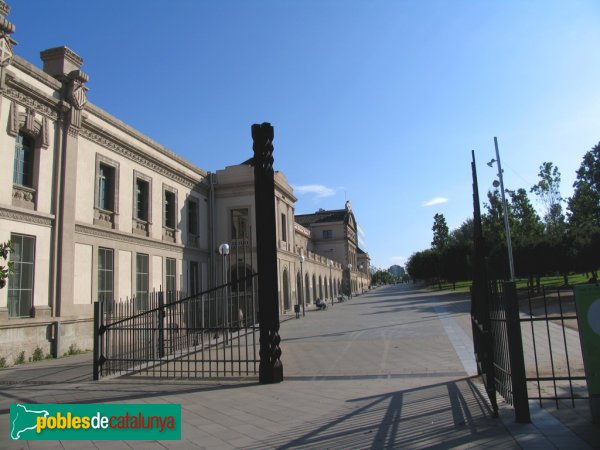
point(551, 345)
point(532, 342)
point(210, 334)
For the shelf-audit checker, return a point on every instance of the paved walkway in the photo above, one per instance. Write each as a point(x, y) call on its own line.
point(389, 369)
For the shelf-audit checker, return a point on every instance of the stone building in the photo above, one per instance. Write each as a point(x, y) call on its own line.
point(95, 209)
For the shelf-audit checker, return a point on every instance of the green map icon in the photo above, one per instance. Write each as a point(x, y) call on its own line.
point(23, 420)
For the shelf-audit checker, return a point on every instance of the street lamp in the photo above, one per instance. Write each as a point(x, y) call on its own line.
point(504, 209)
point(224, 251)
point(330, 263)
point(301, 258)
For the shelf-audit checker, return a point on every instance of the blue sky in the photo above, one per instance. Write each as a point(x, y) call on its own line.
point(377, 102)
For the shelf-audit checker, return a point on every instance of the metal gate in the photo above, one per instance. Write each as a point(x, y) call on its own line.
point(526, 344)
point(214, 333)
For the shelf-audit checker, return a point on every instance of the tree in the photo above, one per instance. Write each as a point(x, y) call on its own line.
point(5, 270)
point(441, 233)
point(584, 213)
point(421, 265)
point(548, 191)
point(494, 235)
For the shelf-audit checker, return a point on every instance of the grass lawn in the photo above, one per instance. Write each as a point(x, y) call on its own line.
point(464, 286)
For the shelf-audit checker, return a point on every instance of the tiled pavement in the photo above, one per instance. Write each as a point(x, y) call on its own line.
point(389, 369)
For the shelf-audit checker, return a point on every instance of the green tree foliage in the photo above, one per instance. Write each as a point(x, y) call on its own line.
point(422, 265)
point(584, 212)
point(441, 233)
point(5, 249)
point(547, 190)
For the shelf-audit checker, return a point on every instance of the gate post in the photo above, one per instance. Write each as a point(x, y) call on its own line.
point(515, 352)
point(98, 316)
point(270, 368)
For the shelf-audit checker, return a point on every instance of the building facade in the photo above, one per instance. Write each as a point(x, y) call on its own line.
point(96, 210)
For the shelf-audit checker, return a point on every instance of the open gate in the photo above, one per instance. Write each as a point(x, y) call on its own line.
point(526, 343)
point(214, 333)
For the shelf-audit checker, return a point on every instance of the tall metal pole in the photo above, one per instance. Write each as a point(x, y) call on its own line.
point(505, 209)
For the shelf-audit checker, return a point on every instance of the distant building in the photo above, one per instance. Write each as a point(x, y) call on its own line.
point(397, 271)
point(333, 233)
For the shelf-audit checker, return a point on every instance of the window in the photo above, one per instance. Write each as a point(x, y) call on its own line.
point(327, 234)
point(105, 276)
point(106, 202)
point(106, 180)
point(169, 209)
point(193, 278)
point(20, 281)
point(239, 223)
point(141, 199)
point(141, 282)
point(170, 279)
point(283, 228)
point(24, 152)
point(192, 217)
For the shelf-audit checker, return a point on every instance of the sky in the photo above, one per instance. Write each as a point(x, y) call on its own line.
point(376, 102)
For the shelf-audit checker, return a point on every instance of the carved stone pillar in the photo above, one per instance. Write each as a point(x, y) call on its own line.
point(271, 368)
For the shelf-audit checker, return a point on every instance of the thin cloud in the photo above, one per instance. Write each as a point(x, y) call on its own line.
point(436, 201)
point(318, 190)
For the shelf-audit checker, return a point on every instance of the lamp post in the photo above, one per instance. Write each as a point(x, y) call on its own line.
point(224, 251)
point(504, 209)
point(330, 263)
point(350, 281)
point(301, 258)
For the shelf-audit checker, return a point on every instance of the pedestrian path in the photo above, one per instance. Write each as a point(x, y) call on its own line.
point(378, 372)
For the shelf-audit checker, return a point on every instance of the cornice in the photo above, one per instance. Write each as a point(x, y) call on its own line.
point(103, 233)
point(36, 73)
point(31, 97)
point(143, 138)
point(103, 138)
point(26, 216)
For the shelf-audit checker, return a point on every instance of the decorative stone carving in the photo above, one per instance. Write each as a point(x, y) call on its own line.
point(28, 123)
point(6, 42)
point(29, 101)
point(169, 234)
point(103, 218)
point(23, 197)
point(20, 216)
point(141, 227)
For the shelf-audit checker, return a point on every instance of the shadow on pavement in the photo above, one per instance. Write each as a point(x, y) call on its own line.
point(445, 415)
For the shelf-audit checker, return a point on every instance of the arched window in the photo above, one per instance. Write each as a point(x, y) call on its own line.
point(286, 290)
point(299, 288)
point(306, 289)
point(321, 287)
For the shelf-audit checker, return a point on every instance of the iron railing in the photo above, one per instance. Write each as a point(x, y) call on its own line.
point(210, 334)
point(551, 344)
